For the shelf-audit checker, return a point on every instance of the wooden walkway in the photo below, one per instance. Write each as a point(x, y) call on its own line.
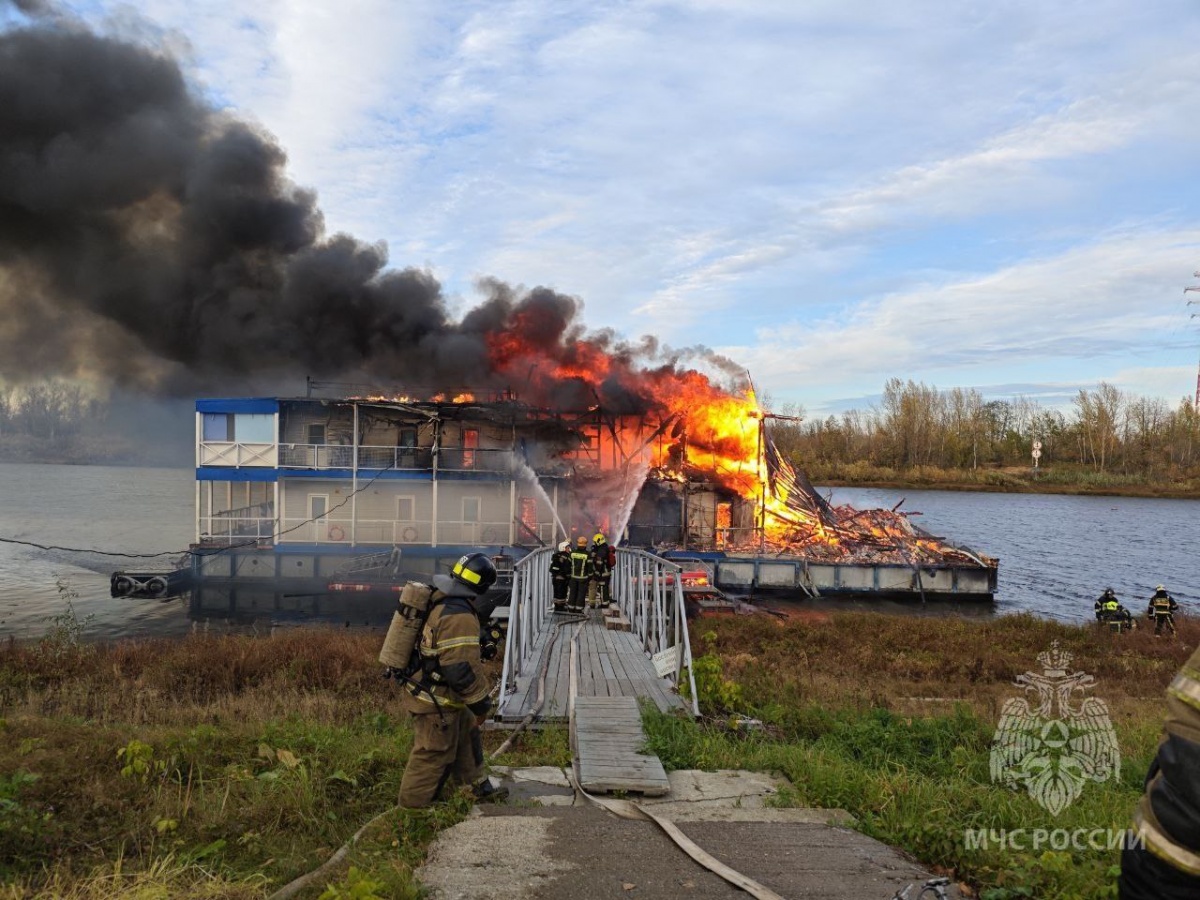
point(608, 735)
point(611, 664)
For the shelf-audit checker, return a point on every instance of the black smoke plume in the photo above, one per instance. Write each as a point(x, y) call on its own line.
point(150, 243)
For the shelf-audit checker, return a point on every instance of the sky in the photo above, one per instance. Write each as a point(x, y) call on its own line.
point(982, 195)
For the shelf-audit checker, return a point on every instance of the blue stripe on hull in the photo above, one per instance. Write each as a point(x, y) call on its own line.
point(248, 473)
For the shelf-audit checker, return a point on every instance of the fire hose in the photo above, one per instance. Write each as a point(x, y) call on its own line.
point(627, 809)
point(298, 884)
point(624, 809)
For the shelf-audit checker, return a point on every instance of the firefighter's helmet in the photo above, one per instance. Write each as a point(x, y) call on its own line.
point(581, 541)
point(598, 538)
point(476, 571)
point(564, 546)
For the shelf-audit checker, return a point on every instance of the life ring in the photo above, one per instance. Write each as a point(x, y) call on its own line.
point(336, 533)
point(410, 534)
point(156, 586)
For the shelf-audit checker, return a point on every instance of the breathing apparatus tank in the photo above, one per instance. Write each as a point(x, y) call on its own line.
point(407, 622)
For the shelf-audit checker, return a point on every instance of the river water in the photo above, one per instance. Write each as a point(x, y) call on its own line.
point(1057, 553)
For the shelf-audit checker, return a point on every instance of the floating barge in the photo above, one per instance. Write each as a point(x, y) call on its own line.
point(293, 494)
point(760, 576)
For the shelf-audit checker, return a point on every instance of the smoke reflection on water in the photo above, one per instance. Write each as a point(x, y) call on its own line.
point(1056, 553)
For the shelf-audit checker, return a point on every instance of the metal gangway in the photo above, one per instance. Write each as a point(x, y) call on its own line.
point(648, 660)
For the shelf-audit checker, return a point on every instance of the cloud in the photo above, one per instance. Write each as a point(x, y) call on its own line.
point(1089, 306)
point(698, 169)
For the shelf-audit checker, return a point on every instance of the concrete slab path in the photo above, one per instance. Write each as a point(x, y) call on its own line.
point(525, 849)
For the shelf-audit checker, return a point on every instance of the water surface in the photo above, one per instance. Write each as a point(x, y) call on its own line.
point(1057, 553)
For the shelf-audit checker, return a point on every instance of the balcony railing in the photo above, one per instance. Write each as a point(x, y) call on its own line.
point(387, 531)
point(341, 456)
point(316, 456)
point(223, 529)
point(225, 453)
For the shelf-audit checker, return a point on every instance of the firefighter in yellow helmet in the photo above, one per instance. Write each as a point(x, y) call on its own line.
point(1112, 614)
point(603, 560)
point(1161, 859)
point(1106, 604)
point(448, 694)
point(581, 575)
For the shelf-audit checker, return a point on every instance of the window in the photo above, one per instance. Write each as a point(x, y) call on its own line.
point(254, 428)
point(470, 442)
point(246, 428)
point(724, 523)
point(318, 506)
point(316, 434)
point(406, 509)
point(217, 427)
point(471, 509)
point(528, 515)
point(406, 444)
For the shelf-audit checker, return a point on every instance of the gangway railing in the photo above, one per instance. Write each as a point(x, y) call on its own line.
point(646, 588)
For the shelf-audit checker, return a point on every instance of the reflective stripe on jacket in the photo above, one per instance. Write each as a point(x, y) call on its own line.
point(581, 564)
point(451, 668)
point(560, 564)
point(600, 566)
point(1162, 605)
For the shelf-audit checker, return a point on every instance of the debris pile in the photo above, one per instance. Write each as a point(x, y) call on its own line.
point(800, 522)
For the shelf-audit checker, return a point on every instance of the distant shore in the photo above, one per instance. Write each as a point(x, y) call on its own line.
point(1007, 480)
point(98, 451)
point(1160, 491)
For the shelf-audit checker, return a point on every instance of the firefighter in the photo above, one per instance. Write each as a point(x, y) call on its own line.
point(1161, 861)
point(448, 695)
point(1106, 603)
point(560, 574)
point(603, 560)
point(1119, 620)
point(581, 575)
point(1162, 610)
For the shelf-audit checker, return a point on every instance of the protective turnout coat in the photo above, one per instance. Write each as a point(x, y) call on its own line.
point(560, 565)
point(451, 674)
point(1164, 863)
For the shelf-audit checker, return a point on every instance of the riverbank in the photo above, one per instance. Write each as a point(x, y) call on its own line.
point(226, 766)
point(94, 450)
point(1013, 480)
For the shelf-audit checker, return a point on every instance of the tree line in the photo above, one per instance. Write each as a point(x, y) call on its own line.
point(916, 425)
point(51, 411)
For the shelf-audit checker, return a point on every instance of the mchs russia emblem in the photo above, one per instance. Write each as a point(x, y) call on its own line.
point(1053, 748)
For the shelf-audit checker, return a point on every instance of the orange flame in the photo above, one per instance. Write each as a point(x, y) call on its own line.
point(717, 433)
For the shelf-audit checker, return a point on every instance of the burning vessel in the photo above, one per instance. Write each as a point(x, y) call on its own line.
point(294, 489)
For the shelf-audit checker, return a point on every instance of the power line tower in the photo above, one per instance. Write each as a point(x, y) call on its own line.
point(1196, 402)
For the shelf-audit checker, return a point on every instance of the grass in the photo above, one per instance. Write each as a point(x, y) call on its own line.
point(893, 718)
point(227, 766)
point(203, 767)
